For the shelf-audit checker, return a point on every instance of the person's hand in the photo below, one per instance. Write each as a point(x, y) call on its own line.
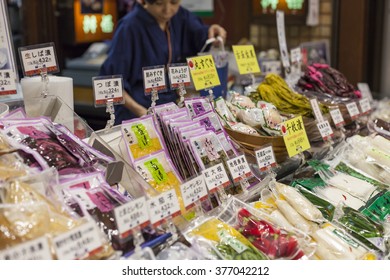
point(141, 111)
point(216, 30)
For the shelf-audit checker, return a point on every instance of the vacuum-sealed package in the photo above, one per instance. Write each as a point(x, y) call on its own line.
point(58, 147)
point(142, 137)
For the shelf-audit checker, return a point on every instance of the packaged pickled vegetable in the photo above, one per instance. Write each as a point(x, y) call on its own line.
point(230, 244)
point(91, 195)
point(210, 121)
point(243, 128)
point(335, 244)
point(207, 149)
point(22, 222)
point(275, 242)
point(58, 147)
point(327, 209)
point(197, 106)
point(365, 230)
point(223, 111)
point(300, 203)
point(142, 137)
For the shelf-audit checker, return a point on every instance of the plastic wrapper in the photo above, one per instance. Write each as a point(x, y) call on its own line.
point(179, 251)
point(161, 174)
point(197, 106)
point(300, 203)
point(52, 220)
point(275, 242)
point(230, 244)
point(142, 137)
point(368, 232)
point(335, 244)
point(327, 209)
point(223, 111)
point(207, 149)
point(58, 147)
point(242, 102)
point(243, 128)
point(210, 121)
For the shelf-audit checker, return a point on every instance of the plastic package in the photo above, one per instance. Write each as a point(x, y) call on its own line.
point(142, 137)
point(229, 243)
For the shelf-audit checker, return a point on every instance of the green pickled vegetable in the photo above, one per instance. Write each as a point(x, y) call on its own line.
point(342, 167)
point(327, 209)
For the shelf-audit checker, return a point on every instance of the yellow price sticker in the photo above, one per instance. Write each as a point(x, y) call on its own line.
point(294, 136)
point(203, 72)
point(246, 59)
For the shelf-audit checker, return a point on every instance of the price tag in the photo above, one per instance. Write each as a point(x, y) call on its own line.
point(239, 168)
point(265, 158)
point(365, 105)
point(365, 90)
point(37, 249)
point(7, 82)
point(337, 117)
point(108, 88)
point(294, 136)
point(193, 190)
point(273, 66)
point(163, 206)
point(215, 177)
point(154, 78)
point(203, 72)
point(296, 55)
point(179, 74)
point(316, 109)
point(130, 215)
point(246, 59)
point(353, 110)
point(78, 243)
point(282, 39)
point(325, 130)
point(35, 58)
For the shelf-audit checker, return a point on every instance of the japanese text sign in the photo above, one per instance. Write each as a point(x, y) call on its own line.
point(294, 136)
point(246, 59)
point(203, 72)
point(108, 89)
point(39, 58)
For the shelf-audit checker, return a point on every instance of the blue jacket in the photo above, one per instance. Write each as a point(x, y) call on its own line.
point(139, 42)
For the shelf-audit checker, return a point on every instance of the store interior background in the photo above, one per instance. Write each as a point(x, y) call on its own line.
point(358, 32)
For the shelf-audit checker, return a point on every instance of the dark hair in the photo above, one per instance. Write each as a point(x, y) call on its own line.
point(151, 1)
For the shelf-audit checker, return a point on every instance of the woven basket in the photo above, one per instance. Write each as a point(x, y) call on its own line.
point(249, 143)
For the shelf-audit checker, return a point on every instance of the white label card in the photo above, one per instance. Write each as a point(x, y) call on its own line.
point(37, 58)
point(239, 168)
point(325, 130)
point(179, 74)
point(154, 79)
point(296, 55)
point(7, 82)
point(282, 39)
point(37, 249)
point(163, 206)
point(108, 89)
point(215, 177)
point(316, 109)
point(265, 158)
point(337, 117)
point(365, 105)
point(353, 110)
point(365, 90)
point(132, 214)
point(193, 190)
point(271, 67)
point(77, 243)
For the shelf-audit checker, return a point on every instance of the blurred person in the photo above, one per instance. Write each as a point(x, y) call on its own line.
point(154, 32)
